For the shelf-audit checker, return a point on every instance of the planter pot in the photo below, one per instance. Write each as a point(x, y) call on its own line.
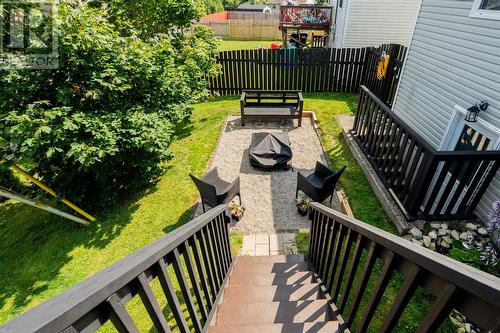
point(237, 218)
point(302, 211)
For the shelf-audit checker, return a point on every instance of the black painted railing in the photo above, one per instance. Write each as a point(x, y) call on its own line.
point(425, 183)
point(360, 267)
point(193, 259)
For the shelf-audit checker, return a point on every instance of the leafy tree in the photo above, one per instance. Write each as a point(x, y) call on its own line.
point(100, 125)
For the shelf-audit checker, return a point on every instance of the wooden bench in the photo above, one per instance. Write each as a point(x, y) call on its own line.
point(271, 105)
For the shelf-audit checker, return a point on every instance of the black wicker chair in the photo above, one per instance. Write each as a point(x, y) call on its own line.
point(215, 191)
point(318, 184)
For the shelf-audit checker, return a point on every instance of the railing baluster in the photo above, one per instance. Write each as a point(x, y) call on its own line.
point(439, 310)
point(186, 293)
point(211, 256)
point(209, 267)
point(321, 245)
point(331, 245)
point(367, 270)
point(352, 272)
point(336, 256)
point(149, 300)
point(343, 265)
point(226, 239)
point(173, 301)
point(325, 251)
point(377, 294)
point(120, 317)
point(199, 267)
point(221, 237)
point(194, 280)
point(312, 239)
point(404, 296)
point(217, 253)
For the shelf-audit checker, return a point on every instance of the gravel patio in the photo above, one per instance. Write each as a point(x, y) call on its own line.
point(268, 196)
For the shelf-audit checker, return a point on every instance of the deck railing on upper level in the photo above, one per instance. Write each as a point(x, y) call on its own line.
point(306, 16)
point(361, 267)
point(425, 183)
point(200, 257)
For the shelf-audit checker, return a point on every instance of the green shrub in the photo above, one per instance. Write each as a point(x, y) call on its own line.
point(100, 126)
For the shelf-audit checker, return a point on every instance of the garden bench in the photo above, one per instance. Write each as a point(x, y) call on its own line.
point(271, 105)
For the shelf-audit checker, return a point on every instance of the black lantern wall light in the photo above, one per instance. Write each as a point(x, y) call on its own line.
point(473, 111)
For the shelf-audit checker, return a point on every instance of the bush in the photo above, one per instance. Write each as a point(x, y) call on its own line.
point(100, 125)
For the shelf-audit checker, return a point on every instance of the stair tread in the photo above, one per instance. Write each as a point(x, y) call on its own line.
point(256, 294)
point(274, 312)
point(318, 327)
point(269, 267)
point(268, 279)
point(271, 259)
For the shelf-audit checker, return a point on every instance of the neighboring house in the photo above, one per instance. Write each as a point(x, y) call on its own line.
point(360, 23)
point(453, 62)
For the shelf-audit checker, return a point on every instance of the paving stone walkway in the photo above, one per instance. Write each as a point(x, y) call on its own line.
point(268, 196)
point(268, 244)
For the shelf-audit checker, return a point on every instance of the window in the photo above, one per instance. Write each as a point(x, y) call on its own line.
point(341, 3)
point(489, 9)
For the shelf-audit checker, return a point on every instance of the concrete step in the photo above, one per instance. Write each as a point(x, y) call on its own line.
point(318, 327)
point(271, 279)
point(257, 294)
point(271, 259)
point(247, 268)
point(274, 313)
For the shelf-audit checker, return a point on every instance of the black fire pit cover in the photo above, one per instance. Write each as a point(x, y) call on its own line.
point(270, 150)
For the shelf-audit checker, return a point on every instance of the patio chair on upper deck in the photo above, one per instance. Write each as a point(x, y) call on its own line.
point(215, 191)
point(318, 184)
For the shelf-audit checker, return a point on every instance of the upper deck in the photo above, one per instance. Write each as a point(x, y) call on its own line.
point(311, 17)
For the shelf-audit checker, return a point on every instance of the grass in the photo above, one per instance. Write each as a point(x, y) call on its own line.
point(230, 45)
point(41, 255)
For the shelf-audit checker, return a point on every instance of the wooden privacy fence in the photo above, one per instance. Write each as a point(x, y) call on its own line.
point(245, 29)
point(309, 70)
point(359, 266)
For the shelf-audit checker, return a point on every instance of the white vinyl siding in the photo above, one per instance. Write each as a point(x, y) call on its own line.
point(372, 23)
point(339, 26)
point(453, 60)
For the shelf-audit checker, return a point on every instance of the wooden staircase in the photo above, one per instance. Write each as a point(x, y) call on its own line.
point(268, 294)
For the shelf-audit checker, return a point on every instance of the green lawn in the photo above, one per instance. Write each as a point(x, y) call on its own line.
point(229, 45)
point(42, 255)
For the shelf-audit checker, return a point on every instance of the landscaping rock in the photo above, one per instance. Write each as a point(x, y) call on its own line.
point(435, 225)
point(433, 235)
point(444, 226)
point(416, 233)
point(463, 236)
point(432, 246)
point(416, 241)
point(455, 235)
point(427, 241)
point(482, 231)
point(407, 237)
point(470, 226)
point(445, 244)
point(446, 239)
point(442, 232)
point(420, 224)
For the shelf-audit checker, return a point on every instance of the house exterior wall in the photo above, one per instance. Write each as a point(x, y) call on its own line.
point(339, 24)
point(372, 23)
point(453, 60)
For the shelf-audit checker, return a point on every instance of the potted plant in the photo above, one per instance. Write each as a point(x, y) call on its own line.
point(236, 211)
point(303, 206)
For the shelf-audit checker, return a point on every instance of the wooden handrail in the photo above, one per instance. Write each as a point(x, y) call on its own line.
point(474, 293)
point(202, 242)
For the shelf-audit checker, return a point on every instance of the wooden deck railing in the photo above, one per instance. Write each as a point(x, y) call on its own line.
point(356, 264)
point(426, 183)
point(306, 16)
point(199, 254)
